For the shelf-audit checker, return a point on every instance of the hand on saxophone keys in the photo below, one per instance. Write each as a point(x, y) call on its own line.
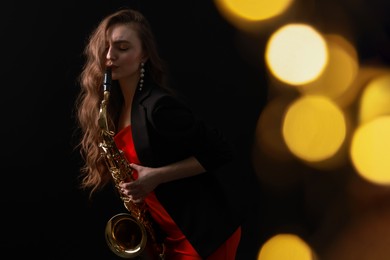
point(144, 181)
point(134, 197)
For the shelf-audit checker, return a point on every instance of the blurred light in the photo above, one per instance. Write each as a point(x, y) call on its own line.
point(340, 71)
point(314, 128)
point(296, 54)
point(370, 152)
point(252, 10)
point(375, 99)
point(268, 131)
point(271, 159)
point(285, 247)
point(364, 237)
point(365, 74)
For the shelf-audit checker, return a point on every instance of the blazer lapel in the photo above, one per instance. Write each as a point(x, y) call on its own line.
point(139, 126)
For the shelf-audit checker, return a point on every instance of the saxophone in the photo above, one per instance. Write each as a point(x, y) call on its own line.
point(128, 235)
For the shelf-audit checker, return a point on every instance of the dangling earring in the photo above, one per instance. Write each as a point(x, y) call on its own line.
point(141, 79)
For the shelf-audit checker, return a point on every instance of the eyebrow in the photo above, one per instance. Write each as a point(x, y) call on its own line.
point(120, 41)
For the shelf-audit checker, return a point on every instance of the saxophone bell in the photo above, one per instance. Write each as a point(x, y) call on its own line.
point(125, 236)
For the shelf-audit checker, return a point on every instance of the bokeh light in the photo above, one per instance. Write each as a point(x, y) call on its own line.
point(370, 153)
point(375, 99)
point(285, 246)
point(366, 237)
point(268, 132)
point(314, 128)
point(242, 13)
point(340, 71)
point(296, 54)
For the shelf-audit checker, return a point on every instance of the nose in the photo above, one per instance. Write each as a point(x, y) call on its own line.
point(110, 56)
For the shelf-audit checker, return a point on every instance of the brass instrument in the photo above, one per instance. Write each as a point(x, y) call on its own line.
point(127, 235)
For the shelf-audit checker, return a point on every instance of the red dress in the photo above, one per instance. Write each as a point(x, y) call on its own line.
point(177, 245)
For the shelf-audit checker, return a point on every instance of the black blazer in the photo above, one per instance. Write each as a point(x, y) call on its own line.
point(165, 131)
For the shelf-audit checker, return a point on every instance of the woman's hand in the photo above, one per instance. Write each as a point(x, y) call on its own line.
point(149, 178)
point(146, 182)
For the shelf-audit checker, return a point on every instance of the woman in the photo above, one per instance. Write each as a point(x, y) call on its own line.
point(174, 154)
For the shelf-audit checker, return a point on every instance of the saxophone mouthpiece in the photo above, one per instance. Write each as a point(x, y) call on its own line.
point(107, 80)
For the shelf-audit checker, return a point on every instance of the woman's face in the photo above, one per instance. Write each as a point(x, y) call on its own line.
point(124, 52)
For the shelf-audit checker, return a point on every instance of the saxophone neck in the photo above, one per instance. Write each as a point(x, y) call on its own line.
point(102, 121)
point(107, 82)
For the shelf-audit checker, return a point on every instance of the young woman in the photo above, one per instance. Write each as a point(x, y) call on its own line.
point(174, 154)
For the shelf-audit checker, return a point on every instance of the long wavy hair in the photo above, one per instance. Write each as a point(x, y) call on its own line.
point(95, 174)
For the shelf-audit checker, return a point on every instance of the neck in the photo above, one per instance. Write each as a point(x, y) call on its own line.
point(128, 88)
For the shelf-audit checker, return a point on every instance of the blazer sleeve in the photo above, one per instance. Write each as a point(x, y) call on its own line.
point(187, 134)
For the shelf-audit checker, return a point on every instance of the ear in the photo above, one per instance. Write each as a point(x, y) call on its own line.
point(144, 59)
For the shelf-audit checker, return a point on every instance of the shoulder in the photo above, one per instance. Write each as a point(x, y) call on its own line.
point(158, 98)
point(167, 112)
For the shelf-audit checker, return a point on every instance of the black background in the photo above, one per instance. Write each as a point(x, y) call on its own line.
point(45, 214)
